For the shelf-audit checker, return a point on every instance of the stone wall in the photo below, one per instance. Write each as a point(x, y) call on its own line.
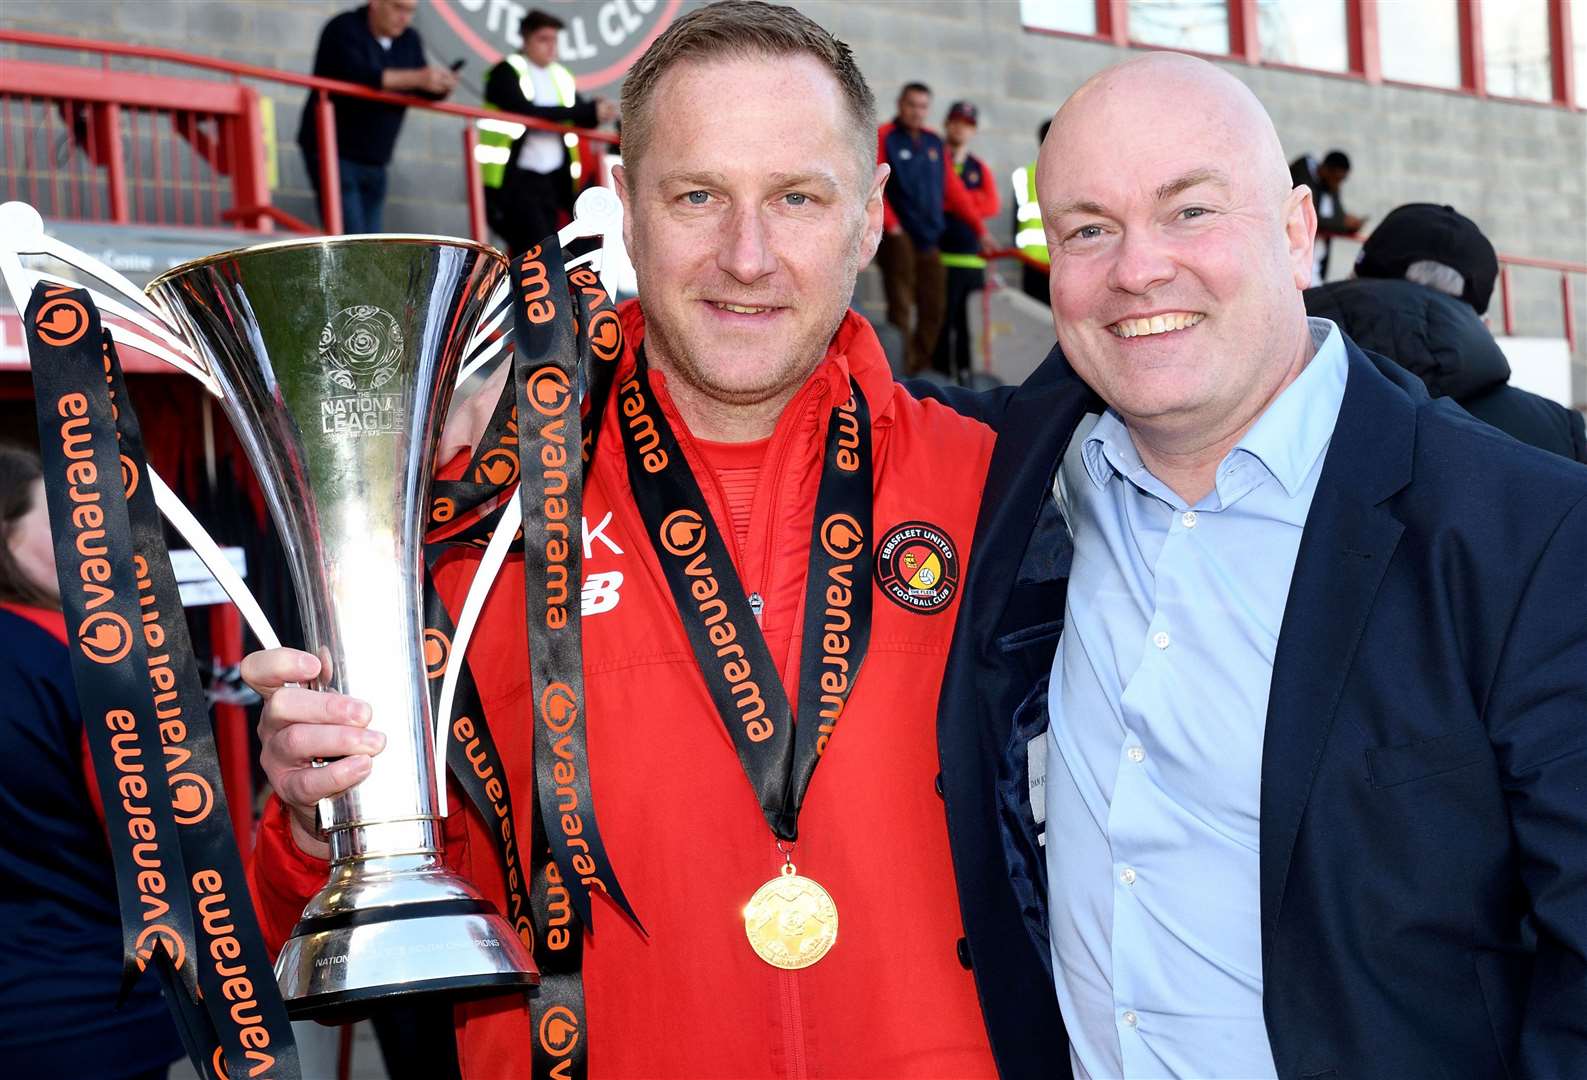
point(1519, 170)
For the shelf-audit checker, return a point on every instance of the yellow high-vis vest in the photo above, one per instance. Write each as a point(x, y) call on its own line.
point(1028, 234)
point(493, 150)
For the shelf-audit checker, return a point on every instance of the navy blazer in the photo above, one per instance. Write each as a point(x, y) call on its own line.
point(1424, 772)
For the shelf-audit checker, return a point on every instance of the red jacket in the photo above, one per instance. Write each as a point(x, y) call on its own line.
point(685, 834)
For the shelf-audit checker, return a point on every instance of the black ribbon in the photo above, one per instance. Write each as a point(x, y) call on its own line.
point(568, 340)
point(183, 898)
point(778, 754)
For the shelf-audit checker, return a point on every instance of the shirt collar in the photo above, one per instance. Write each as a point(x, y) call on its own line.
point(1287, 438)
point(1294, 431)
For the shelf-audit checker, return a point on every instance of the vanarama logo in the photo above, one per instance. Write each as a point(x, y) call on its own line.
point(536, 287)
point(191, 798)
point(682, 535)
point(498, 468)
point(844, 540)
point(62, 321)
point(104, 637)
point(559, 1031)
point(548, 391)
point(641, 427)
point(437, 651)
point(606, 336)
point(917, 567)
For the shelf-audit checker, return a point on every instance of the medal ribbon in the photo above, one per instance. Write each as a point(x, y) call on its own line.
point(778, 754)
point(179, 877)
point(558, 345)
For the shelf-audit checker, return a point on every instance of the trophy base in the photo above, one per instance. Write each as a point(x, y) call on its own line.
point(340, 962)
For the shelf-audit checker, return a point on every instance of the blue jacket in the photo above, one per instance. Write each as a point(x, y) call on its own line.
point(1424, 775)
point(917, 188)
point(61, 967)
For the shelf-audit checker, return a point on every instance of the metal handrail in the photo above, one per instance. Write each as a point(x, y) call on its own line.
point(325, 127)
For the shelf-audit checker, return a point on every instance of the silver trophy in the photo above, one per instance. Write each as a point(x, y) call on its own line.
point(335, 360)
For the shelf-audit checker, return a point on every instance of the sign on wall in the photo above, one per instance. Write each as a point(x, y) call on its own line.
point(601, 41)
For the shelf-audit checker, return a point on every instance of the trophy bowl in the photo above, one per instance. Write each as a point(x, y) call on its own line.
point(336, 358)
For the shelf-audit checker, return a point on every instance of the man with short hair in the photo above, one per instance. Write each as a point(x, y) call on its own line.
point(1325, 178)
point(923, 188)
point(1276, 668)
point(1423, 281)
point(377, 46)
point(525, 191)
point(752, 199)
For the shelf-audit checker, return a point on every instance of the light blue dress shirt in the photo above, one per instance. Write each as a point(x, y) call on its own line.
point(1158, 703)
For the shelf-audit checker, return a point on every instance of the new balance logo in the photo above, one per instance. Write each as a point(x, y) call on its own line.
point(600, 592)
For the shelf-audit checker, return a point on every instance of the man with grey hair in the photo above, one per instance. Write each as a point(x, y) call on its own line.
point(1423, 282)
point(1277, 668)
point(775, 533)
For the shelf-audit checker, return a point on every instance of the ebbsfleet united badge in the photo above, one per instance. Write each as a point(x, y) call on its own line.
point(917, 567)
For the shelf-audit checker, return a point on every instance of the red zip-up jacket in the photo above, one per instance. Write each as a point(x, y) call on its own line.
point(685, 834)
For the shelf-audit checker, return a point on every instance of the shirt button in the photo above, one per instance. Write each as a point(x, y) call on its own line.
point(1160, 639)
point(1127, 876)
point(1188, 519)
point(1136, 754)
point(1130, 1019)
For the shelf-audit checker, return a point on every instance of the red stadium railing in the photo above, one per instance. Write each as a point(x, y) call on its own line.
point(99, 144)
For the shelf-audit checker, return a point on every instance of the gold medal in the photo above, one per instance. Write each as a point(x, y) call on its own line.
point(791, 921)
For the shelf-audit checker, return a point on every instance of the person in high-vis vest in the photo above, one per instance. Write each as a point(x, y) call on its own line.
point(527, 173)
point(1028, 234)
point(960, 248)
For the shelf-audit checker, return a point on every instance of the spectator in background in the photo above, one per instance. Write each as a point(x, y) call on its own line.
point(1325, 180)
point(526, 190)
point(921, 187)
point(1423, 279)
point(966, 266)
point(1029, 236)
point(60, 972)
point(374, 46)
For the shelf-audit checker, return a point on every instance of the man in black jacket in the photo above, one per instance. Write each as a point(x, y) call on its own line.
point(377, 46)
point(1261, 729)
point(1424, 278)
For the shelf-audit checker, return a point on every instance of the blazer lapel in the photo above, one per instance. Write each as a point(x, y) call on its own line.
point(1344, 552)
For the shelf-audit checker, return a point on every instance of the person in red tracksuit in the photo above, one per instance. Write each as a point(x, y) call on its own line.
point(752, 201)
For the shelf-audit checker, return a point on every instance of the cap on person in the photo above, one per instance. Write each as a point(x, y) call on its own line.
point(1426, 232)
point(964, 110)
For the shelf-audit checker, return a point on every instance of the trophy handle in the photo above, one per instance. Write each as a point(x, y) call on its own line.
point(22, 233)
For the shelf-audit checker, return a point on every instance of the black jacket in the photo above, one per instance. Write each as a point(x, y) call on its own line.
point(1423, 888)
point(366, 131)
point(1441, 340)
point(503, 90)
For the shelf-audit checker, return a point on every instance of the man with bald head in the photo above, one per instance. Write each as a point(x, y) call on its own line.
point(1271, 681)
